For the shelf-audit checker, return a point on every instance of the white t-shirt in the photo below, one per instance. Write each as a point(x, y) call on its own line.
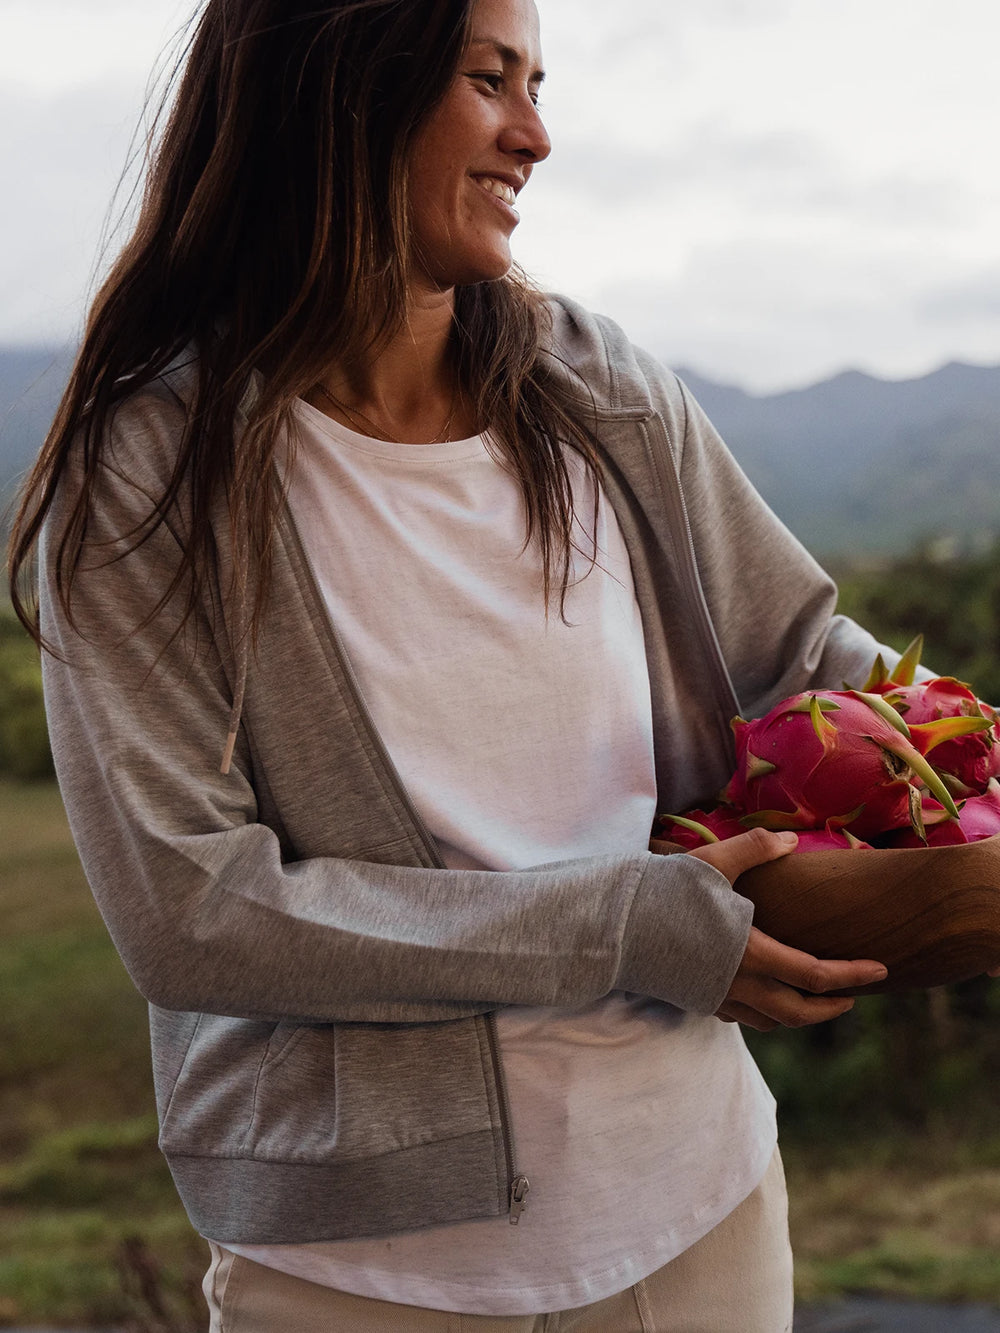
point(524, 739)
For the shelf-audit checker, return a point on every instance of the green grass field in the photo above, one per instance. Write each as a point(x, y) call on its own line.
point(90, 1229)
point(908, 1216)
point(87, 1210)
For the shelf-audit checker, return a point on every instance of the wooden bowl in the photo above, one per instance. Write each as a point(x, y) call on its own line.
point(931, 914)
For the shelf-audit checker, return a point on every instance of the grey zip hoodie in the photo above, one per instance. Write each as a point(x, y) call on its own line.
point(320, 987)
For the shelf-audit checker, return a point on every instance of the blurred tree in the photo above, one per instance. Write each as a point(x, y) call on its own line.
point(953, 602)
point(24, 738)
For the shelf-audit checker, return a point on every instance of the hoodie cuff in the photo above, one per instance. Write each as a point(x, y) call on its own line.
point(685, 935)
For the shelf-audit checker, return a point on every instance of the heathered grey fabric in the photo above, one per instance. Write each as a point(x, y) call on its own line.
point(317, 982)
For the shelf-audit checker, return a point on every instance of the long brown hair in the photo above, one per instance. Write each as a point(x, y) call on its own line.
point(273, 233)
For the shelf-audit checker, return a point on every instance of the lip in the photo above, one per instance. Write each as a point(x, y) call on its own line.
point(515, 183)
point(510, 178)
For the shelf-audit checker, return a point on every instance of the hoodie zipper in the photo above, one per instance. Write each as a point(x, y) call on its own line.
point(518, 1185)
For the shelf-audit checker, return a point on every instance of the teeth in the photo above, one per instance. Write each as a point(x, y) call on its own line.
point(499, 188)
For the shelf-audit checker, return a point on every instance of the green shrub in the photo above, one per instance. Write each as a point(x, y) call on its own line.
point(24, 737)
point(954, 603)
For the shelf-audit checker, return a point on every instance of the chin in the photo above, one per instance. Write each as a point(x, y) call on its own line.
point(468, 270)
point(484, 274)
point(493, 273)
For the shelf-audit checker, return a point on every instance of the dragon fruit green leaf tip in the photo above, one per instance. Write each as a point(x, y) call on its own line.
point(843, 766)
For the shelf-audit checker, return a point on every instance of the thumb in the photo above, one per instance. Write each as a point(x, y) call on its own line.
point(734, 855)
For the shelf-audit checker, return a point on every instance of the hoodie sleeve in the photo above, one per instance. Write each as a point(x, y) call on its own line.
point(207, 907)
point(773, 607)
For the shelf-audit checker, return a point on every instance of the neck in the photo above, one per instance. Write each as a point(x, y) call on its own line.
point(409, 391)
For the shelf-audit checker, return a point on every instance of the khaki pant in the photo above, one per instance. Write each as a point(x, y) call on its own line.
point(737, 1279)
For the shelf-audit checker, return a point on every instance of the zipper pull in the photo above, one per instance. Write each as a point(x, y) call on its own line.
point(518, 1198)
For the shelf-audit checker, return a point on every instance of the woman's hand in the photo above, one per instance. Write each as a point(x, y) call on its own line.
point(765, 993)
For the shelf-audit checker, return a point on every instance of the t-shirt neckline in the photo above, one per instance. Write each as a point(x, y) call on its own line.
point(443, 451)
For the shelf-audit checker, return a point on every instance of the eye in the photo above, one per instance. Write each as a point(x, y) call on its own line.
point(492, 78)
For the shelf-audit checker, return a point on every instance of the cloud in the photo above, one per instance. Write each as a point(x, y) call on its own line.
point(709, 155)
point(974, 298)
point(50, 46)
point(64, 157)
point(766, 189)
point(769, 315)
point(578, 26)
point(769, 169)
point(50, 10)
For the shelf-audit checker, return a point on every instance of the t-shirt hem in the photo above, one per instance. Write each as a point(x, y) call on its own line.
point(407, 1288)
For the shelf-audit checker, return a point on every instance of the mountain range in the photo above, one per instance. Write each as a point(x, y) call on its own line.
point(31, 383)
point(856, 466)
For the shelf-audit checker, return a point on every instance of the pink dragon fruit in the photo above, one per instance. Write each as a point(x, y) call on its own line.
point(968, 759)
point(697, 828)
point(830, 840)
point(840, 759)
point(838, 766)
point(971, 758)
point(978, 818)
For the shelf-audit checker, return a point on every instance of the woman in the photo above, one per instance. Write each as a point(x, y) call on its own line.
point(474, 589)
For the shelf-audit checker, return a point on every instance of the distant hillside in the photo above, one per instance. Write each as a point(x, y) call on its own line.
point(855, 465)
point(31, 383)
point(861, 465)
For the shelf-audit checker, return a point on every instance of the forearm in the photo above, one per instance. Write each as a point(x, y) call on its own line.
point(216, 921)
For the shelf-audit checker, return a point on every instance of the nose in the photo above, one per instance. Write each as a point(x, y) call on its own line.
point(526, 135)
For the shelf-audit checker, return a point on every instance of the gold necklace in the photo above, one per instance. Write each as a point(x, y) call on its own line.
point(377, 432)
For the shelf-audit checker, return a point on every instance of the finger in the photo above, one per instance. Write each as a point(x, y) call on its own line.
point(747, 1016)
point(784, 1005)
point(734, 855)
point(769, 957)
point(801, 1011)
point(819, 975)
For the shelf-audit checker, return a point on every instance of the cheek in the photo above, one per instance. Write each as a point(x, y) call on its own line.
point(441, 189)
point(435, 207)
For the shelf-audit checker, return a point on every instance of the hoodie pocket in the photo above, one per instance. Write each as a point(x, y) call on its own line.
point(358, 1090)
point(326, 1093)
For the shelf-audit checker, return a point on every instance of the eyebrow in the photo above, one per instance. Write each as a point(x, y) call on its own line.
point(508, 55)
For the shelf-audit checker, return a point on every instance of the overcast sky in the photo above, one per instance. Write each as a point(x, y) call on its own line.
point(768, 191)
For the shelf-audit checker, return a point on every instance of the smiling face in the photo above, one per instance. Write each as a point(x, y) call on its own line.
point(476, 151)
